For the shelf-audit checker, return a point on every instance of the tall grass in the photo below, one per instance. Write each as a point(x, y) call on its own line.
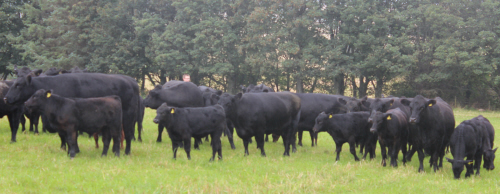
point(36, 164)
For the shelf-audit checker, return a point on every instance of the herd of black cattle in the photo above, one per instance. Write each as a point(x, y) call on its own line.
point(110, 105)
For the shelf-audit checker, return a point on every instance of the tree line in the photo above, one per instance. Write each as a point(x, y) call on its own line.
point(446, 48)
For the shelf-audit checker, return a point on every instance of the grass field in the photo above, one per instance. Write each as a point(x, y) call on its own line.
point(36, 164)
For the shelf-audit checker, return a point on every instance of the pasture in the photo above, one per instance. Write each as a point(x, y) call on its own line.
point(36, 164)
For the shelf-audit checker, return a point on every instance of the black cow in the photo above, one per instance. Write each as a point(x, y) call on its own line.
point(467, 140)
point(311, 105)
point(174, 93)
point(208, 89)
point(255, 114)
point(84, 85)
point(211, 98)
point(350, 127)
point(392, 130)
point(435, 123)
point(14, 113)
point(184, 123)
point(256, 88)
point(90, 115)
point(483, 124)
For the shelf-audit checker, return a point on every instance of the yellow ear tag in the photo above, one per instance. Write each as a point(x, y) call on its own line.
point(430, 104)
point(471, 162)
point(389, 117)
point(390, 105)
point(330, 116)
point(48, 95)
point(173, 111)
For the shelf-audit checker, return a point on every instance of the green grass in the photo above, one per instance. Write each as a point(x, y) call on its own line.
point(35, 164)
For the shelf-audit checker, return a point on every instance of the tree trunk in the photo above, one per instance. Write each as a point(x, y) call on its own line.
point(363, 86)
point(378, 88)
point(163, 77)
point(300, 85)
point(143, 83)
point(288, 82)
point(354, 86)
point(314, 85)
point(338, 84)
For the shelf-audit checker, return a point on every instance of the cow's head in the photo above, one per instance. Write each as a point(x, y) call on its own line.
point(381, 104)
point(38, 100)
point(377, 118)
point(229, 102)
point(164, 114)
point(489, 158)
point(458, 166)
point(52, 71)
point(351, 104)
point(153, 99)
point(337, 107)
point(210, 98)
point(20, 91)
point(418, 106)
point(320, 121)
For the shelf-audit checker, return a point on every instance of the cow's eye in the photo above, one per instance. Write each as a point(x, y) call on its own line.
point(421, 108)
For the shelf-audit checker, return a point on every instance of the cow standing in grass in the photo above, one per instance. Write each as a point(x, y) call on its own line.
point(90, 115)
point(184, 123)
point(350, 127)
point(392, 130)
point(434, 123)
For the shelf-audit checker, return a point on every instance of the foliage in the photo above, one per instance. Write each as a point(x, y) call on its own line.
point(446, 48)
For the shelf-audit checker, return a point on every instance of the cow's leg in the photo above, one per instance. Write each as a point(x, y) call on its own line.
point(287, 141)
point(259, 138)
point(338, 149)
point(395, 152)
point(128, 121)
point(96, 138)
point(412, 151)
point(118, 135)
point(267, 138)
point(245, 144)
point(434, 160)
point(230, 137)
point(72, 135)
point(403, 150)
point(311, 133)
point(197, 141)
point(63, 137)
point(383, 150)
point(477, 161)
point(122, 137)
point(14, 120)
point(36, 120)
point(175, 146)
point(160, 131)
point(300, 132)
point(187, 145)
point(216, 143)
point(22, 121)
point(420, 158)
point(469, 166)
point(45, 123)
point(315, 138)
point(106, 139)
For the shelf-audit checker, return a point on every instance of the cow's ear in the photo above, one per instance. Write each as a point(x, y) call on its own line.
point(238, 96)
point(48, 93)
point(265, 90)
point(450, 160)
point(405, 102)
point(28, 79)
point(342, 101)
point(389, 103)
point(38, 72)
point(218, 92)
point(172, 110)
point(431, 102)
point(158, 87)
point(494, 150)
point(388, 116)
point(216, 97)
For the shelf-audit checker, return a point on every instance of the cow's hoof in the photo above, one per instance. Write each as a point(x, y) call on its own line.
point(211, 160)
point(140, 139)
point(294, 150)
point(220, 157)
point(158, 140)
point(233, 147)
point(12, 141)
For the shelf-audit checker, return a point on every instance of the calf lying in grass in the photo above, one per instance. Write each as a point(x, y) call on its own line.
point(184, 123)
point(90, 115)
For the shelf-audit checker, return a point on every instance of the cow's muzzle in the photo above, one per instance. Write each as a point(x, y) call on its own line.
point(373, 130)
point(156, 121)
point(5, 100)
point(413, 120)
